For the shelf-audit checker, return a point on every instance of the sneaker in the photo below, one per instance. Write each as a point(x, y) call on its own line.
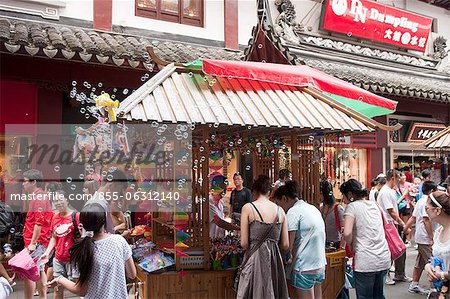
point(389, 281)
point(417, 289)
point(392, 269)
point(416, 247)
point(403, 278)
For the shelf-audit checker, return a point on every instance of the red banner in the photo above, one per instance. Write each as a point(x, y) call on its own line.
point(377, 22)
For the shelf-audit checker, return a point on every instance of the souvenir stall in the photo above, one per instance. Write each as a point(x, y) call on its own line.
point(441, 144)
point(277, 115)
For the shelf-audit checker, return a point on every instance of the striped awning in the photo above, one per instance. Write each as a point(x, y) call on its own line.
point(180, 95)
point(439, 141)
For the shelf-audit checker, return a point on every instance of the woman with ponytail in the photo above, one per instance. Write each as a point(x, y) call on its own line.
point(102, 260)
point(363, 230)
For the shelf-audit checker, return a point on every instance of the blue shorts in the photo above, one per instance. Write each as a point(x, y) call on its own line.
point(306, 281)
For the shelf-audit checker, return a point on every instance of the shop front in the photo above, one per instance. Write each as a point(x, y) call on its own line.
point(406, 149)
point(368, 53)
point(238, 115)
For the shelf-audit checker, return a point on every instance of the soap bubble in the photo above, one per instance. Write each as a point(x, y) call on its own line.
point(56, 168)
point(69, 180)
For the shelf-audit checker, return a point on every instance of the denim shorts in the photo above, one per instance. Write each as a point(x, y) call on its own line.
point(306, 281)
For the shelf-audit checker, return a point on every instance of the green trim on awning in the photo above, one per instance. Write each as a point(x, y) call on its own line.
point(361, 107)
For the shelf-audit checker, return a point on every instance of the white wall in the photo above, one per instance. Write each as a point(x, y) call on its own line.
point(247, 19)
point(78, 9)
point(124, 14)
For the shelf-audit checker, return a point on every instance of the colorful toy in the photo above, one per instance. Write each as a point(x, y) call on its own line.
point(105, 104)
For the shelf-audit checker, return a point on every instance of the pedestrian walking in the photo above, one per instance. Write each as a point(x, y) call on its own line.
point(423, 236)
point(36, 233)
point(363, 229)
point(388, 201)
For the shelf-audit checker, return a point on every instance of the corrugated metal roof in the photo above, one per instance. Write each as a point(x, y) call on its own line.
point(440, 140)
point(178, 96)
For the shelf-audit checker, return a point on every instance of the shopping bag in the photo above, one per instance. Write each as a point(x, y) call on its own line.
point(25, 266)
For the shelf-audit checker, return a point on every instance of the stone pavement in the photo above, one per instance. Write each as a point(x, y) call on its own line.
point(398, 291)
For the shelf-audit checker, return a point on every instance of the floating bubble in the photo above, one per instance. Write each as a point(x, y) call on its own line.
point(248, 152)
point(202, 159)
point(82, 110)
point(231, 144)
point(40, 210)
point(349, 34)
point(258, 145)
point(205, 78)
point(249, 127)
point(263, 61)
point(109, 177)
point(87, 115)
point(104, 173)
point(211, 83)
point(73, 187)
point(74, 83)
point(69, 180)
point(100, 84)
point(248, 167)
point(201, 148)
point(56, 168)
point(125, 91)
point(200, 180)
point(81, 176)
point(239, 141)
point(115, 90)
point(112, 97)
point(216, 125)
point(260, 46)
point(12, 230)
point(93, 89)
point(311, 138)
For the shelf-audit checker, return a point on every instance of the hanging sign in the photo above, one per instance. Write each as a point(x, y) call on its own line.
point(420, 132)
point(377, 22)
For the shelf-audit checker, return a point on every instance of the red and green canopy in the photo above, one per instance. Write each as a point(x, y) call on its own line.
point(358, 99)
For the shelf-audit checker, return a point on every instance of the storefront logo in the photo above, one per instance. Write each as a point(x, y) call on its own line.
point(377, 22)
point(420, 132)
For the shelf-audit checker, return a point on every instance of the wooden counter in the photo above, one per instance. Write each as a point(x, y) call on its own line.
point(218, 284)
point(194, 284)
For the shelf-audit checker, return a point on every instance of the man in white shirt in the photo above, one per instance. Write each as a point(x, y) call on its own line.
point(387, 199)
point(380, 181)
point(423, 236)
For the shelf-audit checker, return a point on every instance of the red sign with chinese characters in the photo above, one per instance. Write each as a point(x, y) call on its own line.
point(377, 22)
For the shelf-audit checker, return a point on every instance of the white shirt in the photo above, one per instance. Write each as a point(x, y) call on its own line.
point(108, 270)
point(440, 249)
point(214, 230)
point(371, 249)
point(421, 235)
point(372, 194)
point(387, 199)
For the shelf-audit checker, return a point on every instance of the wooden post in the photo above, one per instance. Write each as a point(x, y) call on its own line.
point(205, 205)
point(294, 158)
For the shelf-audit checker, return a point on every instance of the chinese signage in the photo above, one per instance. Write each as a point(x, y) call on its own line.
point(420, 132)
point(377, 22)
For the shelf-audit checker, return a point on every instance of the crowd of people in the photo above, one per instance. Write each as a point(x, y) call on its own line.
point(284, 236)
point(83, 252)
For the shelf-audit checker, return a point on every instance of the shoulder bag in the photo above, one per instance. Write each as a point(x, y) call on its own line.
point(337, 219)
point(394, 241)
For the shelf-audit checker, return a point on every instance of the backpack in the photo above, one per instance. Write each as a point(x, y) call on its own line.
point(6, 219)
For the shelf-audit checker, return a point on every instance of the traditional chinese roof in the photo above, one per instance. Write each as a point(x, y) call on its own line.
point(187, 95)
point(439, 141)
point(18, 36)
point(375, 69)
